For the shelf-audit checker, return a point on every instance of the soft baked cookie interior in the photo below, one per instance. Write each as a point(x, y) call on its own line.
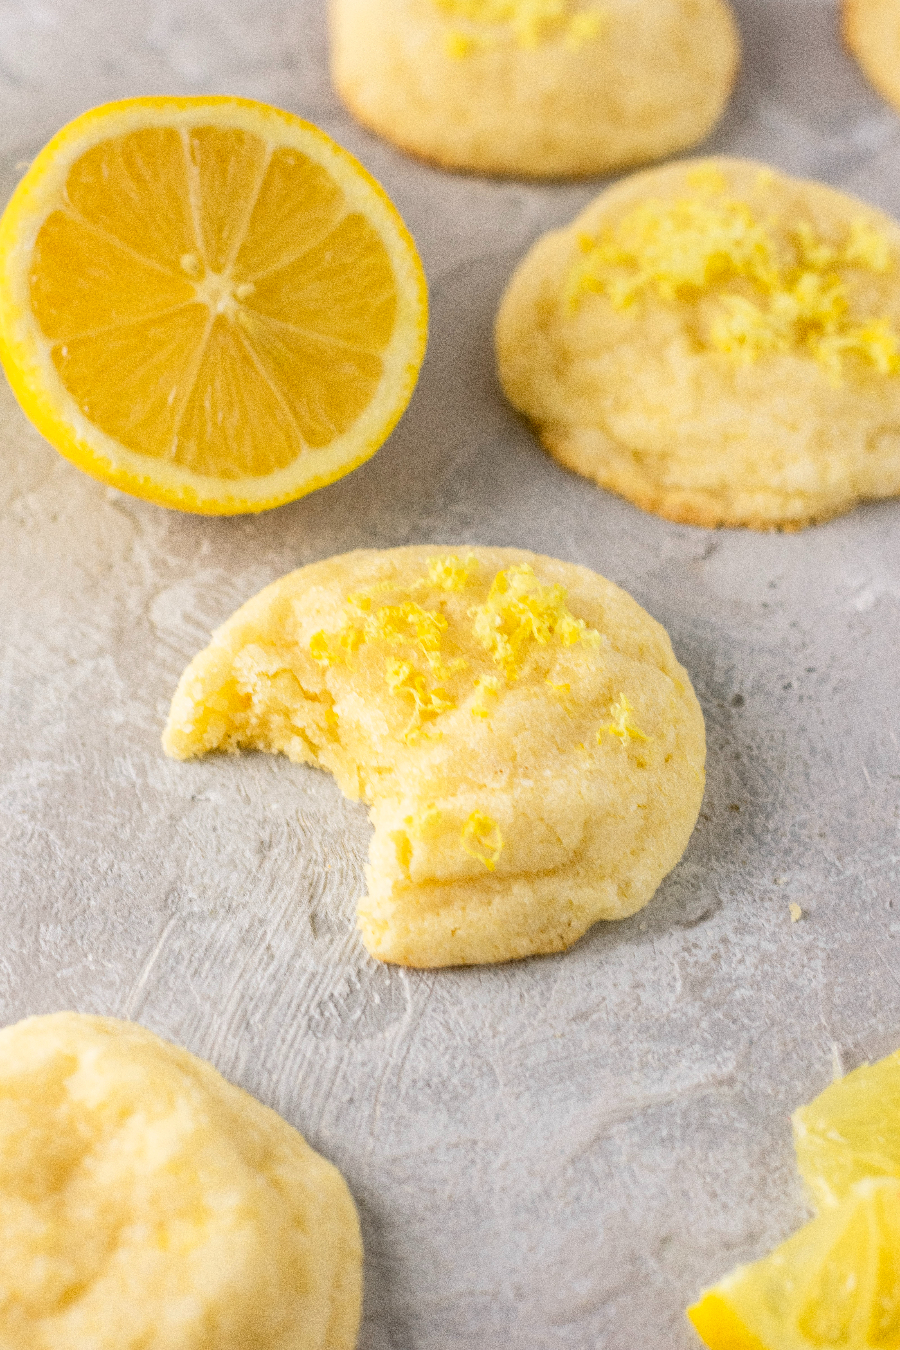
point(716, 341)
point(531, 750)
point(148, 1204)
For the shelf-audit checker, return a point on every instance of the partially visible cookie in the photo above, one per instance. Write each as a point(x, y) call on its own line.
point(872, 32)
point(531, 750)
point(536, 88)
point(146, 1204)
point(717, 342)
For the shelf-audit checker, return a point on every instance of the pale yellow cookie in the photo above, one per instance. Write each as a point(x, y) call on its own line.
point(146, 1204)
point(531, 750)
point(536, 88)
point(872, 32)
point(717, 342)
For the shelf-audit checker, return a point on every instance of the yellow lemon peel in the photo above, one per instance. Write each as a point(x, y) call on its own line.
point(622, 725)
point(406, 624)
point(487, 689)
point(521, 611)
point(460, 45)
point(451, 573)
point(425, 824)
point(531, 22)
point(481, 838)
point(404, 679)
point(710, 244)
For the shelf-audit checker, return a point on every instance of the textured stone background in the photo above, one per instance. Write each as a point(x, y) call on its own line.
point(556, 1153)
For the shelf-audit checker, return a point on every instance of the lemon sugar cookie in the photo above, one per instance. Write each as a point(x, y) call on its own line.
point(872, 32)
point(535, 87)
point(530, 748)
point(146, 1204)
point(717, 342)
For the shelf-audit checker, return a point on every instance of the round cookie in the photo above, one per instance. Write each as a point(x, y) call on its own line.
point(717, 342)
point(530, 748)
point(146, 1204)
point(872, 32)
point(536, 88)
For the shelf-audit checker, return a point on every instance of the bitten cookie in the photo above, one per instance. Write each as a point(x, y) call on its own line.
point(146, 1204)
point(717, 342)
point(531, 750)
point(872, 32)
point(536, 88)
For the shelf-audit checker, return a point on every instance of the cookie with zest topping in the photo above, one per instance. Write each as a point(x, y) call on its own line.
point(536, 88)
point(717, 342)
point(530, 748)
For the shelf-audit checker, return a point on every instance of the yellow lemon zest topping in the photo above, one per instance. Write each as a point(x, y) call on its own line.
point(403, 846)
point(771, 296)
point(403, 679)
point(622, 725)
point(419, 664)
point(481, 838)
point(867, 247)
point(521, 610)
point(406, 624)
point(425, 824)
point(452, 573)
point(531, 22)
point(460, 45)
point(486, 690)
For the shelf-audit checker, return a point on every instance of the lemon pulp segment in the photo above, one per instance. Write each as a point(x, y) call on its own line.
point(835, 1285)
point(850, 1131)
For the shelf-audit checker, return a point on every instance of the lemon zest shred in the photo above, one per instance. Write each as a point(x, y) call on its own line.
point(403, 847)
point(451, 573)
point(531, 23)
point(867, 247)
point(519, 611)
point(482, 839)
point(395, 626)
point(425, 824)
point(487, 688)
point(707, 178)
point(622, 725)
point(404, 679)
point(709, 242)
point(459, 46)
point(320, 649)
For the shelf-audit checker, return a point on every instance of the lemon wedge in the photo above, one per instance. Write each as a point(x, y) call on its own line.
point(208, 303)
point(835, 1285)
point(850, 1131)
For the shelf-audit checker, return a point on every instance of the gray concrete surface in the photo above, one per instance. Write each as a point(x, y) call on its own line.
point(556, 1153)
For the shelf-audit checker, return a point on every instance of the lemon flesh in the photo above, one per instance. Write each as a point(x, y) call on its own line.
point(850, 1131)
point(835, 1285)
point(206, 302)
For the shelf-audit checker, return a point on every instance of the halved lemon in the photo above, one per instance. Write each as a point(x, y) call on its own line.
point(208, 303)
point(835, 1285)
